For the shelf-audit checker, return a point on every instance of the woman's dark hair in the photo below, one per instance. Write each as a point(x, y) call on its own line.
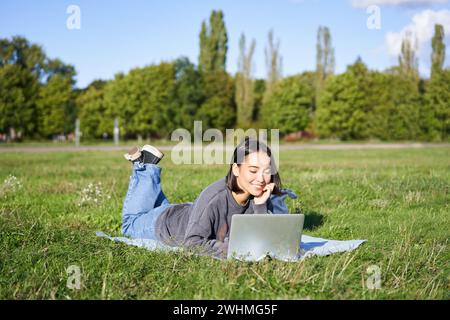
point(247, 146)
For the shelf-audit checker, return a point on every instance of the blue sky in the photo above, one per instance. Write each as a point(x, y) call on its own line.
point(116, 36)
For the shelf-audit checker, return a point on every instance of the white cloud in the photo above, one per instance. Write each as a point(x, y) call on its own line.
point(421, 29)
point(400, 3)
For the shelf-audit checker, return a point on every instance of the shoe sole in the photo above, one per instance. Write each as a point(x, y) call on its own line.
point(133, 154)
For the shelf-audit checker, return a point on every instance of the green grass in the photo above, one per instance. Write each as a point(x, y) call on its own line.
point(396, 199)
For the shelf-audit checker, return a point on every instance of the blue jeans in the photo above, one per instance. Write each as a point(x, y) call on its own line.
point(144, 202)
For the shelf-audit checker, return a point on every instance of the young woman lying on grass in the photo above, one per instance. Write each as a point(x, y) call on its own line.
point(246, 189)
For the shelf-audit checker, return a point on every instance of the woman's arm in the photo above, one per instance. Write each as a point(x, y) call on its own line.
point(201, 231)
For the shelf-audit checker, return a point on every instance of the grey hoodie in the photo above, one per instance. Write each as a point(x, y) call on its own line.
point(207, 221)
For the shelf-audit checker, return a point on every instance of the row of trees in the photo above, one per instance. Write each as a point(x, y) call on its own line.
point(396, 104)
point(38, 98)
point(36, 92)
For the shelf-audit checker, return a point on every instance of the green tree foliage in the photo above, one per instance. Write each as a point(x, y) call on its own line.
point(20, 52)
point(18, 93)
point(205, 57)
point(291, 103)
point(396, 107)
point(343, 106)
point(37, 91)
point(325, 60)
point(273, 64)
point(435, 122)
point(407, 60)
point(437, 101)
point(21, 67)
point(92, 111)
point(245, 84)
point(438, 49)
point(213, 44)
point(188, 93)
point(218, 109)
point(259, 90)
point(143, 101)
point(57, 67)
point(55, 105)
point(360, 104)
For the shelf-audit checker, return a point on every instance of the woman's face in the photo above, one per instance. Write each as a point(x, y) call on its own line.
point(254, 173)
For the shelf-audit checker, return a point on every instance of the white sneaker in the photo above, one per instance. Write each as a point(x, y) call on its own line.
point(146, 154)
point(150, 154)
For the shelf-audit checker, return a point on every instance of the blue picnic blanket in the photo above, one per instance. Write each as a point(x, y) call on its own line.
point(309, 246)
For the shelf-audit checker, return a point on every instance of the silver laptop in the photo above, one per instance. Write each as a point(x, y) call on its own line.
point(255, 236)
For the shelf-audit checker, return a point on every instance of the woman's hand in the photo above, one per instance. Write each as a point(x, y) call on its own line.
point(265, 194)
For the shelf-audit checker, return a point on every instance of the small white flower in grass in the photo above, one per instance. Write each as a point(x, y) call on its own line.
point(93, 195)
point(413, 197)
point(379, 203)
point(10, 185)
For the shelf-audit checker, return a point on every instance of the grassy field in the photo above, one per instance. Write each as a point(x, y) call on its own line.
point(396, 199)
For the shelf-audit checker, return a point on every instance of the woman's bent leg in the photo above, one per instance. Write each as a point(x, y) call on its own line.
point(144, 201)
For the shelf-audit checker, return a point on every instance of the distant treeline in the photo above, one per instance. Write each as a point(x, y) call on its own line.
point(38, 98)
